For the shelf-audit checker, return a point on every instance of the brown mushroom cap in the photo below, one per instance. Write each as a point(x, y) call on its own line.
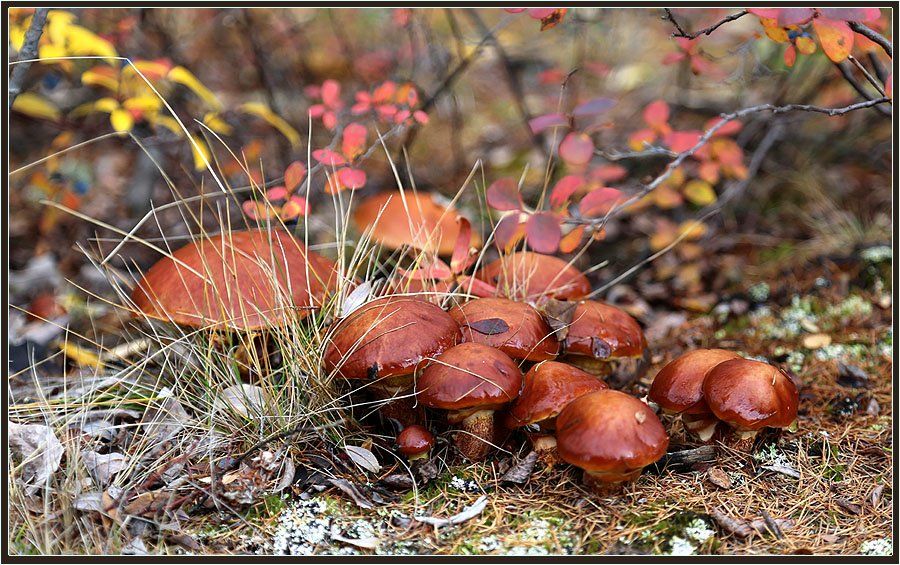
point(602, 331)
point(469, 376)
point(389, 337)
point(678, 387)
point(421, 223)
point(750, 395)
point(415, 440)
point(610, 432)
point(548, 388)
point(243, 280)
point(514, 328)
point(532, 276)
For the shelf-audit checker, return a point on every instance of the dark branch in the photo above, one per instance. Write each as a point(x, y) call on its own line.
point(874, 36)
point(29, 51)
point(680, 31)
point(847, 73)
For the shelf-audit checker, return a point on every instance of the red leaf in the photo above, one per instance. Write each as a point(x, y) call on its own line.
point(608, 173)
point(331, 93)
point(420, 116)
point(541, 123)
point(593, 107)
point(564, 189)
point(730, 128)
point(673, 58)
point(543, 233)
point(476, 286)
point(835, 36)
point(598, 202)
point(352, 178)
point(540, 13)
point(851, 14)
point(293, 208)
point(794, 16)
point(293, 175)
point(769, 13)
point(514, 10)
point(576, 149)
point(503, 195)
point(459, 261)
point(438, 271)
point(680, 141)
point(328, 157)
point(276, 193)
point(656, 115)
point(508, 232)
point(353, 142)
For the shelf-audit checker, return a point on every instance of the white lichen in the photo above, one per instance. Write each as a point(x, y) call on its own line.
point(699, 531)
point(881, 546)
point(680, 546)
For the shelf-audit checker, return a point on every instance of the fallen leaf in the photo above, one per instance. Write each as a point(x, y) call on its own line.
point(468, 513)
point(363, 458)
point(489, 326)
point(246, 400)
point(719, 478)
point(350, 490)
point(36, 453)
point(521, 471)
point(103, 466)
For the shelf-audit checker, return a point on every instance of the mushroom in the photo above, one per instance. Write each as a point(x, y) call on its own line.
point(548, 387)
point(750, 395)
point(409, 218)
point(534, 277)
point(607, 342)
point(515, 328)
point(678, 389)
point(386, 341)
point(470, 381)
point(611, 436)
point(415, 442)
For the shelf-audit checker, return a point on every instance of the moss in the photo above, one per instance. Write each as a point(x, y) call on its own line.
point(685, 533)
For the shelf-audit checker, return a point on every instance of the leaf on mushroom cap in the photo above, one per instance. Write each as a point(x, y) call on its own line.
point(388, 337)
point(678, 387)
point(470, 375)
point(548, 388)
point(603, 331)
point(242, 280)
point(514, 328)
point(533, 276)
point(751, 395)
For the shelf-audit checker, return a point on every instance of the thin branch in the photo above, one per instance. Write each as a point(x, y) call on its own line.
point(880, 72)
point(680, 31)
point(865, 30)
point(847, 73)
point(650, 151)
point(29, 51)
point(866, 74)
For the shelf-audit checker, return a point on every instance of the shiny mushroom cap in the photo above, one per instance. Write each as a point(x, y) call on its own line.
point(610, 434)
point(602, 331)
point(750, 395)
point(514, 328)
point(415, 441)
point(242, 280)
point(409, 218)
point(532, 276)
point(389, 337)
point(678, 387)
point(470, 376)
point(548, 388)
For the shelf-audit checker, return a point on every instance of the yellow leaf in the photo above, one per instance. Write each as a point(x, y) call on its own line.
point(83, 110)
point(274, 120)
point(217, 124)
point(51, 50)
point(143, 103)
point(121, 120)
point(101, 76)
point(773, 30)
point(835, 36)
point(201, 153)
point(17, 35)
point(82, 41)
point(185, 77)
point(692, 230)
point(107, 105)
point(167, 122)
point(36, 106)
point(57, 24)
point(81, 356)
point(699, 192)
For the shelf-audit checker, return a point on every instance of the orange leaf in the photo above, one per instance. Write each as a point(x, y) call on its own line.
point(509, 232)
point(570, 241)
point(835, 36)
point(293, 175)
point(656, 115)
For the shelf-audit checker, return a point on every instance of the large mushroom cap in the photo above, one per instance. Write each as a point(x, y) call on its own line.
point(389, 337)
point(602, 331)
point(469, 376)
point(514, 328)
point(548, 388)
point(751, 395)
point(678, 387)
point(242, 280)
point(409, 218)
point(532, 276)
point(610, 433)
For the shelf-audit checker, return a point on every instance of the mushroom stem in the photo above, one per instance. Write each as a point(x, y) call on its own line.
point(740, 440)
point(398, 404)
point(608, 483)
point(545, 446)
point(703, 426)
point(476, 435)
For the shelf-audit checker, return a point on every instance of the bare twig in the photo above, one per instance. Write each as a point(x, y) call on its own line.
point(880, 72)
point(680, 31)
point(650, 151)
point(29, 51)
point(866, 74)
point(874, 36)
point(847, 73)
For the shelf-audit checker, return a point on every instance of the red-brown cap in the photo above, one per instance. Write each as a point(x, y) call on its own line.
point(750, 395)
point(532, 276)
point(602, 331)
point(678, 387)
point(242, 280)
point(389, 337)
point(611, 433)
point(514, 328)
point(470, 375)
point(415, 440)
point(409, 218)
point(548, 387)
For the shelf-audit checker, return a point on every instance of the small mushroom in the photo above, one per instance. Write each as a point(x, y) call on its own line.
point(470, 381)
point(611, 436)
point(533, 277)
point(548, 388)
point(415, 442)
point(607, 342)
point(678, 389)
point(750, 395)
point(409, 218)
point(514, 328)
point(385, 342)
